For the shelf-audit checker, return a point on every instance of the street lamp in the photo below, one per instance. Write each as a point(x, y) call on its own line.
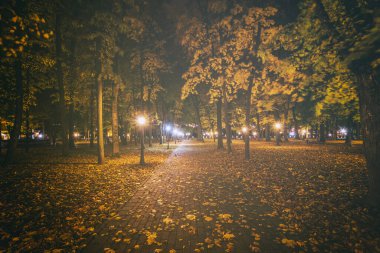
point(167, 129)
point(277, 126)
point(141, 121)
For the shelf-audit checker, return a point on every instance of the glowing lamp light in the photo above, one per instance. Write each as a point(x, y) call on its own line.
point(244, 130)
point(168, 128)
point(254, 133)
point(343, 131)
point(141, 120)
point(278, 125)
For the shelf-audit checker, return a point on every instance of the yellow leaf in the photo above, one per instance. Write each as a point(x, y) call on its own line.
point(190, 217)
point(208, 218)
point(228, 236)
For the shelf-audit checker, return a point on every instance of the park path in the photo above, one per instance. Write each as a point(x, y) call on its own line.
point(197, 201)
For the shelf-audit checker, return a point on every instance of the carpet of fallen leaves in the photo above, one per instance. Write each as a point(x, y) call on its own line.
point(52, 202)
point(289, 198)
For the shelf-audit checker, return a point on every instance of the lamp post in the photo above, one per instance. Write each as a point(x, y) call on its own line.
point(141, 121)
point(167, 129)
point(277, 126)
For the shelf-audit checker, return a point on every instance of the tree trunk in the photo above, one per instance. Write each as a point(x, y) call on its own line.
point(115, 119)
point(267, 128)
point(15, 133)
point(198, 120)
point(100, 122)
point(322, 132)
point(61, 87)
point(258, 126)
point(27, 112)
point(295, 122)
point(71, 122)
point(92, 116)
point(219, 123)
point(286, 115)
point(247, 121)
point(227, 122)
point(99, 69)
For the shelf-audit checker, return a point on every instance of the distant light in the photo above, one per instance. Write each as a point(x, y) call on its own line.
point(244, 129)
point(343, 131)
point(40, 136)
point(76, 134)
point(188, 134)
point(254, 133)
point(278, 125)
point(303, 131)
point(168, 128)
point(141, 120)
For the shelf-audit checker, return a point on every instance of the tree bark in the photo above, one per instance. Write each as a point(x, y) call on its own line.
point(92, 97)
point(99, 69)
point(247, 121)
point(73, 74)
point(16, 130)
point(61, 87)
point(267, 128)
point(27, 112)
point(322, 132)
point(198, 120)
point(295, 122)
point(369, 91)
point(258, 126)
point(100, 122)
point(219, 123)
point(115, 119)
point(227, 122)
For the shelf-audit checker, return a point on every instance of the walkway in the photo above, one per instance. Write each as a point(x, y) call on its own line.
point(193, 203)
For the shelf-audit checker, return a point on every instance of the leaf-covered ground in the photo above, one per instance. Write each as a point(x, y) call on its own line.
point(52, 202)
point(292, 198)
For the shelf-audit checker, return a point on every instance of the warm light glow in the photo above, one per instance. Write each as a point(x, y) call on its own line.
point(141, 120)
point(278, 125)
point(244, 130)
point(254, 133)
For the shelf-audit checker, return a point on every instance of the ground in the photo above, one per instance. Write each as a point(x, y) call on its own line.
point(291, 198)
